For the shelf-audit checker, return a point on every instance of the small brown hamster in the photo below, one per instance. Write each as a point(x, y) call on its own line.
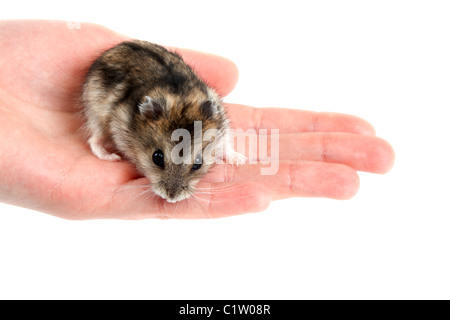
point(136, 95)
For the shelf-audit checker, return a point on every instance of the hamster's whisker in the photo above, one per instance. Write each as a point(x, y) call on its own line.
point(194, 197)
point(146, 194)
point(197, 198)
point(226, 185)
point(224, 189)
point(136, 187)
point(199, 202)
point(218, 200)
point(205, 205)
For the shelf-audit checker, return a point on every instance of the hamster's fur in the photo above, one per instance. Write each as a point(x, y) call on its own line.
point(135, 95)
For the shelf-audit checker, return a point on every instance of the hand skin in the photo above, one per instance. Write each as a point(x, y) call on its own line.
point(46, 164)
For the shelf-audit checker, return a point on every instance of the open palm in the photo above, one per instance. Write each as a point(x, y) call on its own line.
point(46, 164)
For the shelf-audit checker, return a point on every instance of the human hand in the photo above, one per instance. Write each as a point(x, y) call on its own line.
point(46, 164)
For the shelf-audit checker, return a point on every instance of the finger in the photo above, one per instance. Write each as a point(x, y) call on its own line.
point(361, 152)
point(245, 190)
point(291, 121)
point(305, 178)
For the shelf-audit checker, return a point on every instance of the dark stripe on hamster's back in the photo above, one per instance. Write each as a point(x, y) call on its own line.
point(176, 81)
point(112, 76)
point(109, 75)
point(132, 95)
point(175, 74)
point(139, 49)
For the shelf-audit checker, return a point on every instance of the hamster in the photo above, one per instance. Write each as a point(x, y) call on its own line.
point(136, 95)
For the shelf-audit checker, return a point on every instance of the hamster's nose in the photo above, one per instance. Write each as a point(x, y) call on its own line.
point(171, 193)
point(173, 188)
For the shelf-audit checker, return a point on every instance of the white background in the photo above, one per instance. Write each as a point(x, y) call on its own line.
point(385, 61)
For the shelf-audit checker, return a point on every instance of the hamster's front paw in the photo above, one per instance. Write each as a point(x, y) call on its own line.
point(100, 152)
point(235, 158)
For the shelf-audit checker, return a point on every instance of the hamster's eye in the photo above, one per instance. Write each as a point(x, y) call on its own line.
point(158, 158)
point(197, 163)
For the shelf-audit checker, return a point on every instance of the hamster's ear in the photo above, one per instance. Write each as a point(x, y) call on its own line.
point(208, 109)
point(151, 108)
point(212, 106)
